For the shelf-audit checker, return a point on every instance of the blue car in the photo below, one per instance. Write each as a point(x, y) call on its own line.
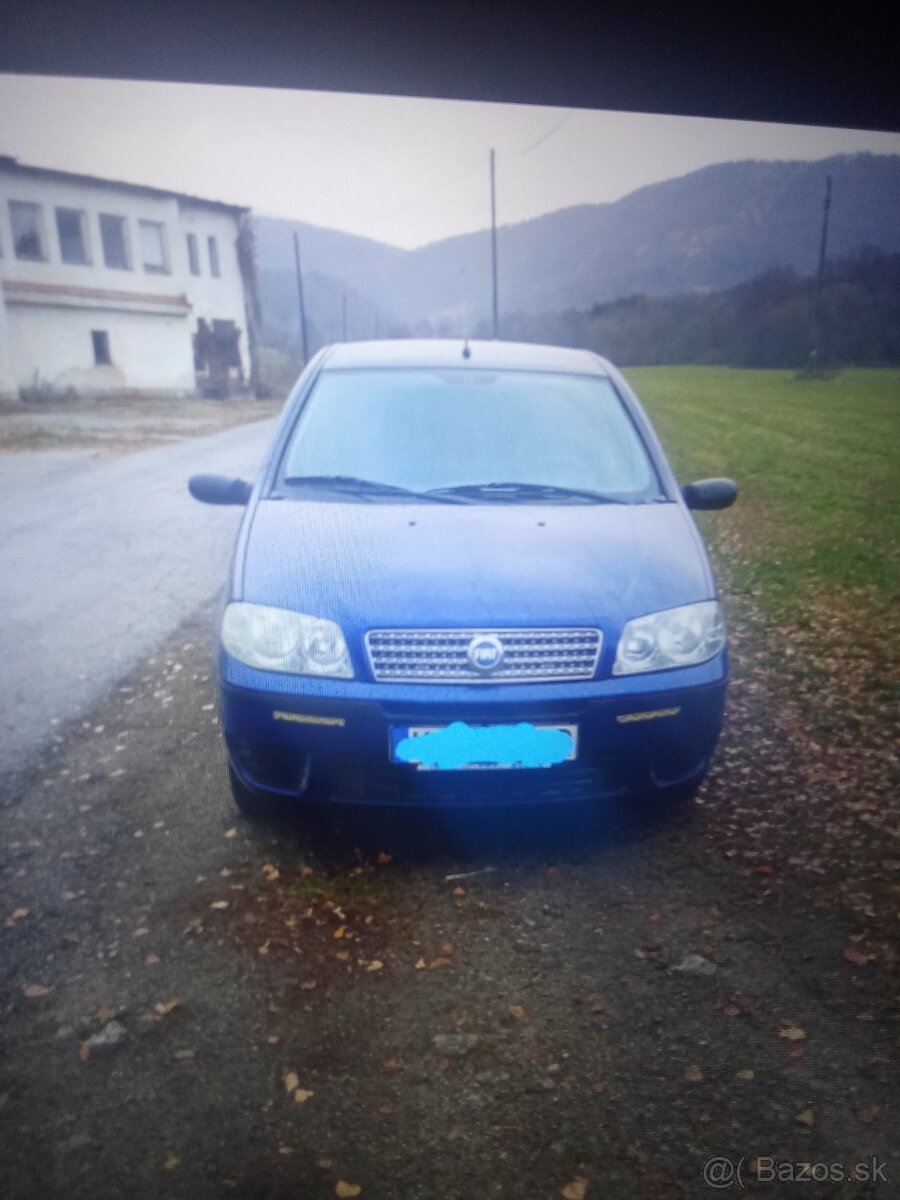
point(467, 575)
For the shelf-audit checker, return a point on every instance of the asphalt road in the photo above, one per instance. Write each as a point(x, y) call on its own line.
point(102, 558)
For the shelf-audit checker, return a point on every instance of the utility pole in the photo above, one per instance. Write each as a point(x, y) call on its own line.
point(818, 350)
point(344, 317)
point(303, 336)
point(494, 246)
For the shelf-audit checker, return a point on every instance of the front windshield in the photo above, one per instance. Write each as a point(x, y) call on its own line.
point(433, 429)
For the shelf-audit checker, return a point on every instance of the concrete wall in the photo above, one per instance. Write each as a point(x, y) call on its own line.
point(52, 306)
point(7, 378)
point(210, 298)
point(149, 352)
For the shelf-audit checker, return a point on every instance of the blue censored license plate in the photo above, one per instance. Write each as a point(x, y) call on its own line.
point(463, 747)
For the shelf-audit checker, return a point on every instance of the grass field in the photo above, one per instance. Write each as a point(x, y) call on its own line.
point(818, 468)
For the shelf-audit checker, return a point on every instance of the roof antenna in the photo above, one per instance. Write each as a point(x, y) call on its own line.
point(467, 353)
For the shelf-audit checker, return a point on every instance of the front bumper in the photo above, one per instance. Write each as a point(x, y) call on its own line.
point(291, 736)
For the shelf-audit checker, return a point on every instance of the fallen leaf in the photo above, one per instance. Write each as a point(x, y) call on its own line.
point(458, 891)
point(343, 955)
point(301, 1095)
point(219, 904)
point(231, 833)
point(151, 960)
point(792, 1033)
point(447, 947)
point(339, 932)
point(35, 990)
point(393, 1064)
point(291, 1081)
point(420, 964)
point(305, 872)
point(270, 872)
point(346, 1191)
point(19, 913)
point(805, 1118)
point(308, 985)
point(693, 1074)
point(164, 1007)
point(575, 1189)
point(105, 1014)
point(263, 949)
point(285, 1149)
point(172, 1161)
point(765, 869)
point(382, 860)
point(744, 1075)
point(375, 965)
point(517, 1012)
point(858, 957)
point(84, 1051)
point(438, 962)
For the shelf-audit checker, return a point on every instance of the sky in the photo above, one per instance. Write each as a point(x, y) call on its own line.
point(403, 171)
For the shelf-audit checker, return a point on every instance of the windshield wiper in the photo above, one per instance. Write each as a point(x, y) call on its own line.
point(354, 486)
point(512, 493)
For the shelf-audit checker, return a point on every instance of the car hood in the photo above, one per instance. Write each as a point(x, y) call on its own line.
point(374, 565)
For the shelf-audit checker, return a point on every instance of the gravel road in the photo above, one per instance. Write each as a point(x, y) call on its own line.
point(102, 557)
point(191, 1006)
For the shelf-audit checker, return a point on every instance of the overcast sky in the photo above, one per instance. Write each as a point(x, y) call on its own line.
point(399, 170)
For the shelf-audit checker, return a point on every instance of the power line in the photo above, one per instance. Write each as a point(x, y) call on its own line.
point(534, 145)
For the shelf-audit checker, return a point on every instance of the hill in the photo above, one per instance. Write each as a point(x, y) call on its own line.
point(708, 230)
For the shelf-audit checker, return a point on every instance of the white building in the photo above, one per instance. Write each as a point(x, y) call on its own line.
point(110, 286)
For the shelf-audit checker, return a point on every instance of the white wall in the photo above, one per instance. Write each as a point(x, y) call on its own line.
point(152, 349)
point(7, 378)
point(149, 352)
point(215, 299)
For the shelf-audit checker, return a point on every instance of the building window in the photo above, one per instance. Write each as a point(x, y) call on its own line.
point(100, 338)
point(193, 253)
point(27, 230)
point(213, 256)
point(153, 247)
point(114, 239)
point(72, 229)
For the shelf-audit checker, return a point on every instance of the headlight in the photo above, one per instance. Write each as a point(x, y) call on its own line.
point(274, 639)
point(674, 638)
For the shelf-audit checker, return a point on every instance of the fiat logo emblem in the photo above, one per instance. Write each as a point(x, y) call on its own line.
point(485, 653)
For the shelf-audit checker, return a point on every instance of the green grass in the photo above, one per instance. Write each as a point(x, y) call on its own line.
point(817, 464)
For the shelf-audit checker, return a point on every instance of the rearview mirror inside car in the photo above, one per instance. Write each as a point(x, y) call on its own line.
point(710, 493)
point(219, 489)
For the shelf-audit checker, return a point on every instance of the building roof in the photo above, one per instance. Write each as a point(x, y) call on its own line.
point(448, 352)
point(8, 163)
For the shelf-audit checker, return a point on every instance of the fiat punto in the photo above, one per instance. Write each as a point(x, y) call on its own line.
point(467, 575)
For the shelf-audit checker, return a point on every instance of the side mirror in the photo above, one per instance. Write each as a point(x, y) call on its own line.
point(710, 493)
point(219, 489)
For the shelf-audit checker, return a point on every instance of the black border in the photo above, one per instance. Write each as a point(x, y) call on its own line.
point(804, 61)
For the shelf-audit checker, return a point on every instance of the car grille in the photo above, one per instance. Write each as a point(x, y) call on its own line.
point(441, 655)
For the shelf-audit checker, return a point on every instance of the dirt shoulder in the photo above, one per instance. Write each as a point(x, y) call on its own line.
point(120, 424)
point(193, 1006)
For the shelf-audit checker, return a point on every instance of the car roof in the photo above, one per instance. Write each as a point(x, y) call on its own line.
point(449, 352)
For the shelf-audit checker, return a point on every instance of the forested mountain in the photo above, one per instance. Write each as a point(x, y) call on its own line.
point(708, 230)
point(773, 320)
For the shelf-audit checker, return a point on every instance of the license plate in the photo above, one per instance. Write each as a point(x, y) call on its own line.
point(463, 747)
